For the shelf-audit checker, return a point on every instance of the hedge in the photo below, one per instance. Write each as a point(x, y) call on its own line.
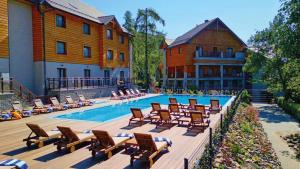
point(289, 107)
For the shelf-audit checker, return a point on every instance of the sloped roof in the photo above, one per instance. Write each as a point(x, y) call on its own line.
point(169, 41)
point(196, 30)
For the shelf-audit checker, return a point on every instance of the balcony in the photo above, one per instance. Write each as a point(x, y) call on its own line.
point(220, 56)
point(237, 75)
point(210, 75)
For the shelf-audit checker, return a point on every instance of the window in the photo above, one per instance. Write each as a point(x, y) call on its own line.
point(122, 75)
point(61, 72)
point(87, 52)
point(122, 57)
point(199, 51)
point(61, 48)
point(179, 50)
point(109, 55)
point(60, 21)
point(87, 73)
point(109, 34)
point(106, 77)
point(122, 39)
point(229, 52)
point(86, 29)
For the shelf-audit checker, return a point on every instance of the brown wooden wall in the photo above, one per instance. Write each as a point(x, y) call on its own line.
point(115, 46)
point(3, 29)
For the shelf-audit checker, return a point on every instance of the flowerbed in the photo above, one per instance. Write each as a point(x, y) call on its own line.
point(293, 141)
point(245, 145)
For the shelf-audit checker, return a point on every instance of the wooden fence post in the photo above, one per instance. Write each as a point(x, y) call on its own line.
point(186, 163)
point(210, 148)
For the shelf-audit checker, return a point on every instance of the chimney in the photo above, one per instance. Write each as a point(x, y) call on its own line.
point(206, 20)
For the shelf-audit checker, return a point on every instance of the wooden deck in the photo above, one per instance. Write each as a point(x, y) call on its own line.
point(12, 133)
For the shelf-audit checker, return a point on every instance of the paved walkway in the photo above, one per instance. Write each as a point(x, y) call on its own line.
point(276, 123)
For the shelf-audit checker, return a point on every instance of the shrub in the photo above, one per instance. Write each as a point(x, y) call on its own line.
point(252, 114)
point(245, 96)
point(289, 107)
point(246, 127)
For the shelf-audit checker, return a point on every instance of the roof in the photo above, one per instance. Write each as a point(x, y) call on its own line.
point(196, 30)
point(78, 8)
point(169, 41)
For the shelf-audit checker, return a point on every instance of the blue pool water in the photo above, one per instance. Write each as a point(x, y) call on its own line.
point(110, 112)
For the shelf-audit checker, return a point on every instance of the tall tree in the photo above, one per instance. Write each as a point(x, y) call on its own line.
point(129, 22)
point(145, 23)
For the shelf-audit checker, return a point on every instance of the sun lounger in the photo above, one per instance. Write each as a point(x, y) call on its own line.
point(139, 92)
point(131, 94)
point(105, 143)
point(39, 107)
point(148, 149)
point(135, 93)
point(56, 105)
point(71, 103)
point(5, 116)
point(174, 101)
point(215, 106)
point(201, 108)
point(155, 108)
point(197, 120)
point(70, 138)
point(40, 135)
point(17, 107)
point(165, 118)
point(176, 111)
point(123, 95)
point(116, 97)
point(138, 116)
point(85, 102)
point(13, 164)
point(192, 102)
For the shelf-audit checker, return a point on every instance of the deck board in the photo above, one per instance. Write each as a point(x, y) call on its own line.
point(12, 133)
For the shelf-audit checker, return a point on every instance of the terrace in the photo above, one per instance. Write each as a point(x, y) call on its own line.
point(12, 133)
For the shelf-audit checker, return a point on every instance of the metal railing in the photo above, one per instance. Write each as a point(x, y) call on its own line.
point(84, 83)
point(203, 155)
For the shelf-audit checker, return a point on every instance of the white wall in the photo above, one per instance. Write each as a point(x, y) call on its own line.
point(20, 43)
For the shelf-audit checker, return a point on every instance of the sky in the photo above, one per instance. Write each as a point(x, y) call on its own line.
point(244, 17)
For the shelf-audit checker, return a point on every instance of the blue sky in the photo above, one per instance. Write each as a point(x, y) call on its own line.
point(244, 17)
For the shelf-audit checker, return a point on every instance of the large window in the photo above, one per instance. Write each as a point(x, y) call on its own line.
point(109, 34)
point(60, 21)
point(110, 55)
point(86, 29)
point(199, 51)
point(122, 39)
point(229, 52)
point(87, 52)
point(122, 57)
point(61, 48)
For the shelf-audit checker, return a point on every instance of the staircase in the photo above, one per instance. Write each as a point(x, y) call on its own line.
point(260, 95)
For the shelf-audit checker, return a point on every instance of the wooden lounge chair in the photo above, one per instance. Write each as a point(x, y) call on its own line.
point(105, 143)
point(85, 102)
point(155, 108)
point(215, 106)
point(40, 135)
point(39, 107)
point(138, 116)
point(123, 95)
point(70, 138)
point(139, 92)
point(176, 111)
point(174, 101)
point(148, 149)
point(201, 108)
point(71, 103)
point(116, 97)
point(56, 105)
point(165, 118)
point(192, 102)
point(197, 120)
point(17, 106)
point(131, 94)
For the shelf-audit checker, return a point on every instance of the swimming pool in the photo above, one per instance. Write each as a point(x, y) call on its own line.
point(110, 112)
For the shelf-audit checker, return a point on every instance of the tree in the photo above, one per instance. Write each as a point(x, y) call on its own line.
point(145, 23)
point(129, 22)
point(276, 52)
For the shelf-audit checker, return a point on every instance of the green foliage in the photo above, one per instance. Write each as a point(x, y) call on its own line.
point(236, 149)
point(275, 54)
point(245, 96)
point(246, 127)
point(289, 107)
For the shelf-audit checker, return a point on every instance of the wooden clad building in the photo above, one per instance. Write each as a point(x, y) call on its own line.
point(60, 39)
point(209, 56)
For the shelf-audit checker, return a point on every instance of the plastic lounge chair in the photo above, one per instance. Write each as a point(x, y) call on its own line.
point(176, 111)
point(215, 106)
point(138, 116)
point(116, 97)
point(123, 95)
point(155, 108)
point(5, 116)
point(85, 101)
point(39, 107)
point(197, 120)
point(148, 149)
point(56, 105)
point(131, 94)
point(139, 92)
point(71, 103)
point(17, 106)
point(70, 138)
point(135, 93)
point(201, 108)
point(105, 143)
point(40, 135)
point(165, 118)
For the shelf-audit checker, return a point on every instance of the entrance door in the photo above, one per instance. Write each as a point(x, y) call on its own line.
point(62, 77)
point(106, 77)
point(87, 77)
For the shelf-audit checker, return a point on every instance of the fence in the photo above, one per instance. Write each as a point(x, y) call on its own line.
point(203, 155)
point(83, 83)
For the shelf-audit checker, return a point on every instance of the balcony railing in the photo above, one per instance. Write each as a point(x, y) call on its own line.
point(84, 83)
point(210, 75)
point(233, 75)
point(237, 55)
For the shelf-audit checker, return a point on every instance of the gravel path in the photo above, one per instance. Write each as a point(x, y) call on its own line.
point(276, 124)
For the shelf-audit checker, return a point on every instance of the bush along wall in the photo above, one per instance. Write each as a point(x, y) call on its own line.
point(289, 107)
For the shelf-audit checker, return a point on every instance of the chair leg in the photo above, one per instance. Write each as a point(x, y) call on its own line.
point(109, 154)
point(150, 162)
point(41, 144)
